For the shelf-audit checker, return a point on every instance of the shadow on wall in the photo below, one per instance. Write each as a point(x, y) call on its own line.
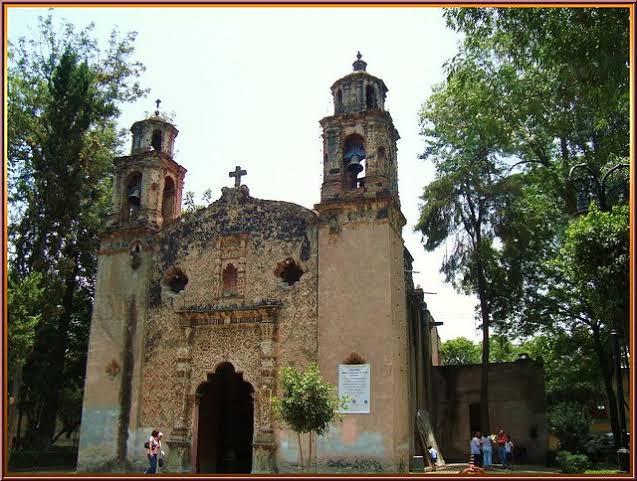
point(516, 404)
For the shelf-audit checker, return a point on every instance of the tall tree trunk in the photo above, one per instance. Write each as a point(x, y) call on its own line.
point(484, 370)
point(19, 427)
point(55, 379)
point(607, 376)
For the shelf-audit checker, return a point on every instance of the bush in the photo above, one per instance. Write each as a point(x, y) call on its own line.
point(570, 422)
point(572, 463)
point(600, 449)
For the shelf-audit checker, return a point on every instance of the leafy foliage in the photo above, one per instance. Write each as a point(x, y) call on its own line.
point(62, 104)
point(531, 93)
point(307, 403)
point(189, 201)
point(570, 422)
point(572, 463)
point(459, 351)
point(23, 298)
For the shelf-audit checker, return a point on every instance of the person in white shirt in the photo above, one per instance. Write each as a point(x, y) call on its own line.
point(508, 448)
point(433, 455)
point(476, 449)
point(154, 451)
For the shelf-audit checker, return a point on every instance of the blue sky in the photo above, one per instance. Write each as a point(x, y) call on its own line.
point(249, 85)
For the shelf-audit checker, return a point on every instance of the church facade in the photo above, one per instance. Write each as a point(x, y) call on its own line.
point(195, 314)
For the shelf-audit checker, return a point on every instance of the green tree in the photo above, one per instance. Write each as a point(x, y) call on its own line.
point(571, 372)
point(464, 132)
point(23, 299)
point(502, 349)
point(307, 403)
point(459, 351)
point(589, 289)
point(570, 422)
point(63, 92)
point(544, 89)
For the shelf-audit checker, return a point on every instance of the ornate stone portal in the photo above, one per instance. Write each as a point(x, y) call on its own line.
point(261, 374)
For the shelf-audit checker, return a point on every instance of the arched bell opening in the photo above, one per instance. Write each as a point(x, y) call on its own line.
point(168, 200)
point(370, 97)
point(355, 160)
point(132, 201)
point(157, 139)
point(225, 423)
point(339, 101)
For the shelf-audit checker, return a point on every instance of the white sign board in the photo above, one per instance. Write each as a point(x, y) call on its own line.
point(353, 382)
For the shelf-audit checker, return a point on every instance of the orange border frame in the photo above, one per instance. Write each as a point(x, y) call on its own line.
point(122, 3)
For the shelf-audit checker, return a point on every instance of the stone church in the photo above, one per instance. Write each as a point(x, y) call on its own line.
point(195, 313)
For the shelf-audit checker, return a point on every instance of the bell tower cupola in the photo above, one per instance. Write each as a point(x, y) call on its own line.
point(359, 140)
point(148, 183)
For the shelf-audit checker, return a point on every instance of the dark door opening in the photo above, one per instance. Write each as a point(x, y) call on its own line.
point(225, 424)
point(474, 418)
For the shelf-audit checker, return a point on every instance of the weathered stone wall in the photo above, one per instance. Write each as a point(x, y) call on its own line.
point(255, 236)
point(109, 415)
point(516, 404)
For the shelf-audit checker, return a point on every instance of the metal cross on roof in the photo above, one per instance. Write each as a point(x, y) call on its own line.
point(157, 102)
point(237, 173)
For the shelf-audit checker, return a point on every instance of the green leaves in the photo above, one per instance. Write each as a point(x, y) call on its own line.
point(307, 404)
point(459, 351)
point(23, 299)
point(570, 422)
point(63, 92)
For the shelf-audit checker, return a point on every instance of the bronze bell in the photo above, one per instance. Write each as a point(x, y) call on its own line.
point(134, 195)
point(354, 165)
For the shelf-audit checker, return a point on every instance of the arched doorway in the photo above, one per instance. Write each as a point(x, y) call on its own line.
point(225, 423)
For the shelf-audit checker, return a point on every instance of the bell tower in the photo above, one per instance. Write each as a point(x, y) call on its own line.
point(359, 140)
point(147, 188)
point(362, 317)
point(148, 183)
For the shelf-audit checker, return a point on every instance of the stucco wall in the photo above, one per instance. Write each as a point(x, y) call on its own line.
point(516, 404)
point(362, 310)
point(107, 435)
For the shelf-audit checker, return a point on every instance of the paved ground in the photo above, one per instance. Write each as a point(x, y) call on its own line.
point(455, 468)
point(446, 470)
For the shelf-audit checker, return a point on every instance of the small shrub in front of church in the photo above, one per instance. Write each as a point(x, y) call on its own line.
point(307, 405)
point(573, 463)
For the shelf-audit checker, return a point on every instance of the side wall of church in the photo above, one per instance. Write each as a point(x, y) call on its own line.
point(109, 414)
point(362, 310)
point(256, 237)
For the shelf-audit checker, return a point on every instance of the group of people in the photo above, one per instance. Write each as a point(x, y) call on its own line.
point(482, 449)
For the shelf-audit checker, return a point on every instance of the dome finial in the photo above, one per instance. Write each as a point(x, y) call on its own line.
point(359, 64)
point(157, 102)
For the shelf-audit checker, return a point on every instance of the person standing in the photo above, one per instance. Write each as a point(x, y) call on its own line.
point(476, 450)
point(501, 441)
point(153, 451)
point(508, 450)
point(487, 451)
point(433, 455)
